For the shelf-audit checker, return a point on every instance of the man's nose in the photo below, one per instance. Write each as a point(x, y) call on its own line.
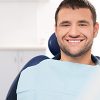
point(73, 32)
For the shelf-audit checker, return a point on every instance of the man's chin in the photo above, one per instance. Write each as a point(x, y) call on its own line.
point(74, 55)
point(77, 54)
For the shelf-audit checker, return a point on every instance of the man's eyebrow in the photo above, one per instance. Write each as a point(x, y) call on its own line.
point(64, 22)
point(83, 21)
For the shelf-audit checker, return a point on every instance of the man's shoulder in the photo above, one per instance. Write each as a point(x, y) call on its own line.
point(42, 65)
point(29, 76)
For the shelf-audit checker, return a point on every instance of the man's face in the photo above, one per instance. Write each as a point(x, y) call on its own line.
point(75, 31)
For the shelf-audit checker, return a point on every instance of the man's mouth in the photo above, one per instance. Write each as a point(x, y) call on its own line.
point(75, 41)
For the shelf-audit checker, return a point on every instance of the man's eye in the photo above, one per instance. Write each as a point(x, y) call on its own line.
point(65, 25)
point(82, 24)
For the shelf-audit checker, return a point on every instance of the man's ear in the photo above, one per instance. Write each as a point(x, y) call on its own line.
point(96, 28)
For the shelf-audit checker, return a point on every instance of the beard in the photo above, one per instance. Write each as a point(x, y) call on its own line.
point(81, 52)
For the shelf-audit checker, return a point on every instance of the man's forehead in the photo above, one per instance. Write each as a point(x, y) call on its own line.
point(68, 13)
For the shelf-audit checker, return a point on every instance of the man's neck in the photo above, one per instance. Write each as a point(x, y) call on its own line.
point(84, 59)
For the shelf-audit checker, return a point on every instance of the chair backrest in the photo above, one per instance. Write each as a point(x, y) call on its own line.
point(54, 48)
point(53, 45)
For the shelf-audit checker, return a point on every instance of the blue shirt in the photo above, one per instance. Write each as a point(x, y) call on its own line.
point(58, 80)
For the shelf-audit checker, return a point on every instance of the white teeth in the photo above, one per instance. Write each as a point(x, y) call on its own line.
point(74, 41)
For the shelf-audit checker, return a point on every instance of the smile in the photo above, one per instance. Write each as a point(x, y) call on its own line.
point(74, 41)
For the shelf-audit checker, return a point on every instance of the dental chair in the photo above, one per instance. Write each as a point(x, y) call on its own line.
point(54, 49)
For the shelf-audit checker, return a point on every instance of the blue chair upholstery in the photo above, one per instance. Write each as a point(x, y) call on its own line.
point(54, 48)
point(53, 45)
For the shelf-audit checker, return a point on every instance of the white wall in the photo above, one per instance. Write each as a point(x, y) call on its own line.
point(45, 18)
point(17, 24)
point(96, 47)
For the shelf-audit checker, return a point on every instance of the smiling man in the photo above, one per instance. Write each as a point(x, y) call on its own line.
point(76, 27)
point(73, 76)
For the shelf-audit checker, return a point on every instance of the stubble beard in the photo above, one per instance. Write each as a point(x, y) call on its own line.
point(83, 51)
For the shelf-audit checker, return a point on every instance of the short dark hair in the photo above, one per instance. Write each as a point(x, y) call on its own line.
point(76, 4)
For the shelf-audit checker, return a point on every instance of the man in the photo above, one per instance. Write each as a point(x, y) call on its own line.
point(76, 75)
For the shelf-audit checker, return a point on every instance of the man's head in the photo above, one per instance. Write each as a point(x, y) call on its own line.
point(75, 27)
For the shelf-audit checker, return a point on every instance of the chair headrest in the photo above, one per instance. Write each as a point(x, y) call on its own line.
point(53, 45)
